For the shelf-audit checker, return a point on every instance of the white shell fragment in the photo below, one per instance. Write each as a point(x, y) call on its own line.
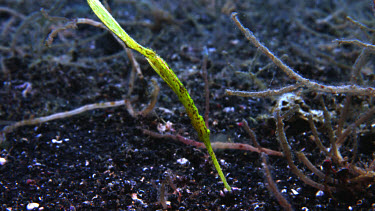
point(183, 161)
point(32, 206)
point(294, 192)
point(2, 161)
point(319, 194)
point(55, 141)
point(228, 109)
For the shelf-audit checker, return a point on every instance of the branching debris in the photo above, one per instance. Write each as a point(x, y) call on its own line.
point(351, 177)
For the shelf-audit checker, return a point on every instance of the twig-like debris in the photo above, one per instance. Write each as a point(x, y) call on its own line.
point(12, 12)
point(133, 61)
point(371, 166)
point(302, 157)
point(154, 98)
point(317, 140)
point(360, 62)
point(52, 18)
point(62, 115)
point(359, 24)
point(271, 185)
point(33, 17)
point(5, 49)
point(334, 152)
point(357, 43)
point(355, 148)
point(162, 196)
point(343, 115)
point(132, 75)
point(6, 28)
point(251, 134)
point(130, 109)
point(370, 91)
point(72, 25)
point(265, 93)
point(288, 155)
point(215, 145)
point(311, 30)
point(53, 34)
point(330, 17)
point(364, 117)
